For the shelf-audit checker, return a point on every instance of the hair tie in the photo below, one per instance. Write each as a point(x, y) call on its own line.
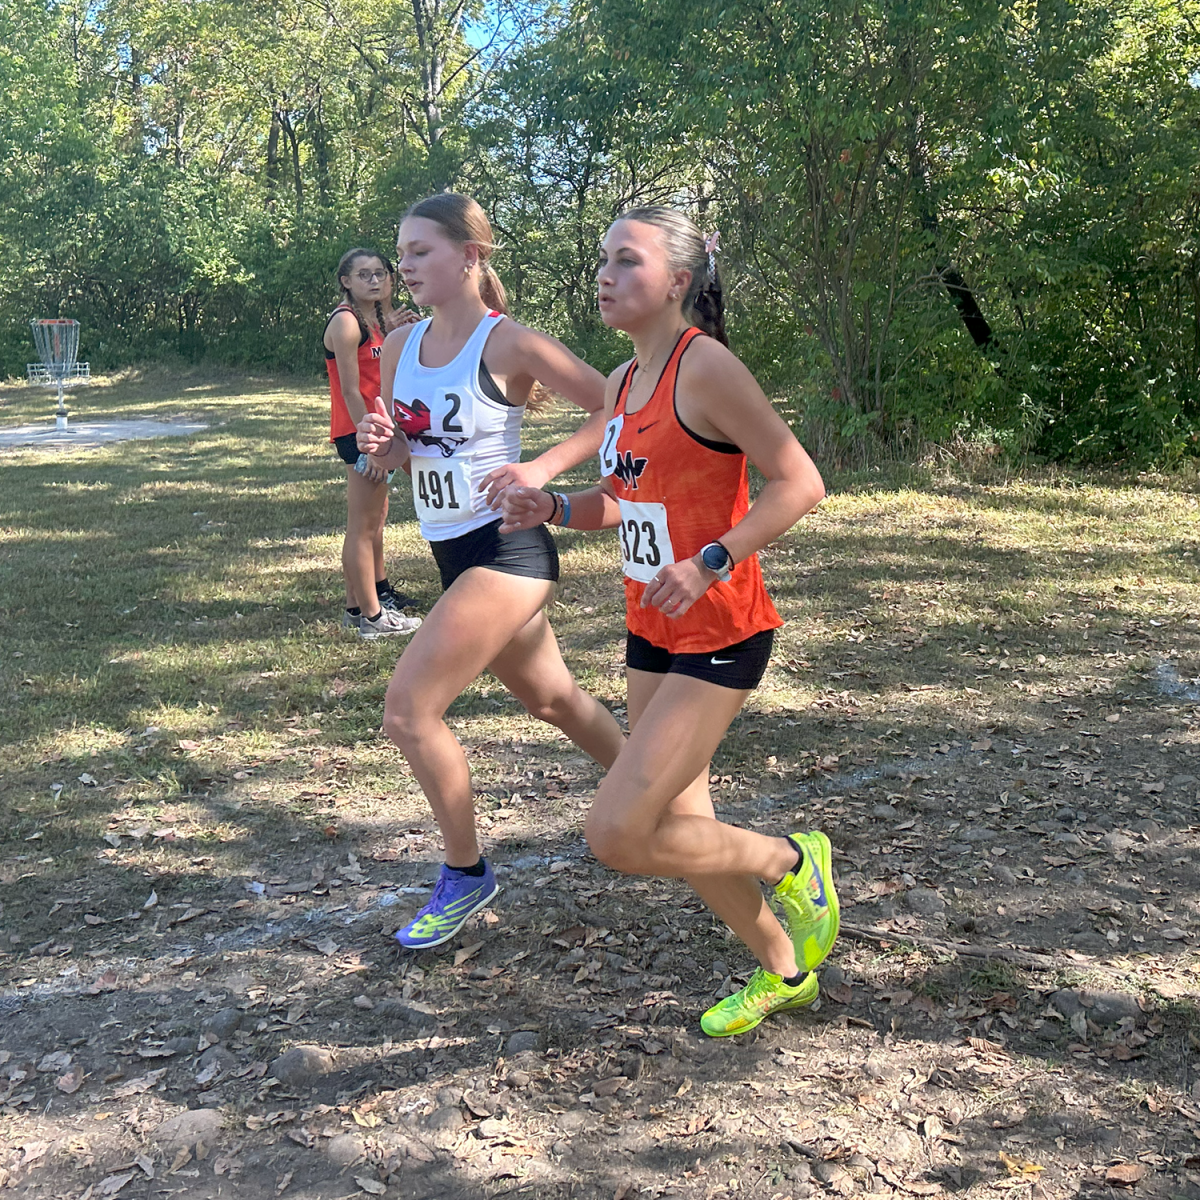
point(711, 244)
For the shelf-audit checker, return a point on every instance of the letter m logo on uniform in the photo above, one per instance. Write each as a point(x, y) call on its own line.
point(629, 468)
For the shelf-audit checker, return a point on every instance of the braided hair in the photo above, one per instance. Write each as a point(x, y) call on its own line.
point(345, 266)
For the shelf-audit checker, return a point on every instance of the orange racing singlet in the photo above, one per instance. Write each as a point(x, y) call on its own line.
point(369, 348)
point(678, 492)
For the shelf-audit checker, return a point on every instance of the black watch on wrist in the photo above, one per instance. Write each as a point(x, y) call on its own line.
point(718, 560)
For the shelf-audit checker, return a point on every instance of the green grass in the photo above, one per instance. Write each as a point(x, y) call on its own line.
point(169, 621)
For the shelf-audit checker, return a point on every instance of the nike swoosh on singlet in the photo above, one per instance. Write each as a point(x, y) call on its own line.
point(720, 662)
point(643, 428)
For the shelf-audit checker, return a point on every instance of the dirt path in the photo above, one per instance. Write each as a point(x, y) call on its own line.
point(987, 696)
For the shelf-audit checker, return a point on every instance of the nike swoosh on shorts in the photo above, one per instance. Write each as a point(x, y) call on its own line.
point(720, 662)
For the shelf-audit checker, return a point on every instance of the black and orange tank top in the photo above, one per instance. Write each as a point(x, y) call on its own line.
point(678, 492)
point(369, 349)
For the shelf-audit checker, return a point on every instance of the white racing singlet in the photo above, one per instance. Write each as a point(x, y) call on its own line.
point(456, 433)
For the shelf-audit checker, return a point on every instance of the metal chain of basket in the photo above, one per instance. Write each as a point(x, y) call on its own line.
point(57, 342)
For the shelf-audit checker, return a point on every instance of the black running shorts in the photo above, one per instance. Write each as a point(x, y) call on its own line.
point(347, 448)
point(740, 666)
point(528, 552)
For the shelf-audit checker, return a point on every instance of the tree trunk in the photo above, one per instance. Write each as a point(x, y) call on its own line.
point(320, 142)
point(289, 131)
point(273, 159)
point(952, 280)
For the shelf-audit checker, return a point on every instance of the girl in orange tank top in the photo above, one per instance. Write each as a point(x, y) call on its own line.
point(352, 348)
point(702, 485)
point(683, 418)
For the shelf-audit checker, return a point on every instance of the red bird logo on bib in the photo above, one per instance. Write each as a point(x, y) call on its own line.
point(414, 420)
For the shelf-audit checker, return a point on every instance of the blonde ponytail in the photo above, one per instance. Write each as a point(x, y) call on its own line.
point(491, 290)
point(465, 222)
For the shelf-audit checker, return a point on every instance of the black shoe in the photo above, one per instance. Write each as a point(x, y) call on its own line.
point(397, 601)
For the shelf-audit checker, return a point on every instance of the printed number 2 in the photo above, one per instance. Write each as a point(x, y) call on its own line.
point(449, 424)
point(432, 493)
point(631, 531)
point(606, 458)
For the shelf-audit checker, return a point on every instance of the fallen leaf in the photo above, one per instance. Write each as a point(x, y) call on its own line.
point(839, 993)
point(60, 1060)
point(71, 1082)
point(1019, 1166)
point(114, 1183)
point(90, 781)
point(282, 1182)
point(370, 1185)
point(143, 1083)
point(461, 956)
point(151, 901)
point(1125, 1174)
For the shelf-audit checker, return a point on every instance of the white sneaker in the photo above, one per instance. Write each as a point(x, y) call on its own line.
point(387, 624)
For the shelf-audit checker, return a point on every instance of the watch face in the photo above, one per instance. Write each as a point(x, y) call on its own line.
point(716, 557)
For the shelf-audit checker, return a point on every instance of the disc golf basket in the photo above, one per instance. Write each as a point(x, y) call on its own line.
point(57, 344)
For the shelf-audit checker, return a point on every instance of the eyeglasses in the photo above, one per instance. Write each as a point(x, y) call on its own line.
point(371, 276)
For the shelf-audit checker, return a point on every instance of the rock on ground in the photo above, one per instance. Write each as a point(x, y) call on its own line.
point(185, 1130)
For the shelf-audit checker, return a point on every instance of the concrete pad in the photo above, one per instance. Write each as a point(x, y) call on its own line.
point(93, 433)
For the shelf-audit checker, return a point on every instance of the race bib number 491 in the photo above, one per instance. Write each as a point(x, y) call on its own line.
point(645, 540)
point(441, 489)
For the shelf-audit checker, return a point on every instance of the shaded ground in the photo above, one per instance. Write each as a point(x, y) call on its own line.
point(988, 694)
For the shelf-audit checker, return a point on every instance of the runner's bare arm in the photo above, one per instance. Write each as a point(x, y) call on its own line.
point(595, 508)
point(719, 398)
point(376, 431)
point(536, 357)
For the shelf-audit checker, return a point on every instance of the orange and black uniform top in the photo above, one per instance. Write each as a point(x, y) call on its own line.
point(369, 348)
point(679, 491)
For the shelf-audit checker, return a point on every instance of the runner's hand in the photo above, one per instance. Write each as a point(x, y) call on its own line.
point(399, 317)
point(375, 433)
point(519, 475)
point(677, 587)
point(375, 471)
point(524, 508)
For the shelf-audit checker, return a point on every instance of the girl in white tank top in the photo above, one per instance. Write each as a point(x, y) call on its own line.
point(458, 383)
point(457, 432)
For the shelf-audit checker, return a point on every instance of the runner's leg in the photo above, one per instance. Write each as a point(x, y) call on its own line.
point(365, 503)
point(531, 667)
point(630, 826)
point(471, 623)
point(736, 898)
point(377, 540)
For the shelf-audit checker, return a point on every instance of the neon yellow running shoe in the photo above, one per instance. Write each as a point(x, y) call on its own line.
point(809, 900)
point(763, 995)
